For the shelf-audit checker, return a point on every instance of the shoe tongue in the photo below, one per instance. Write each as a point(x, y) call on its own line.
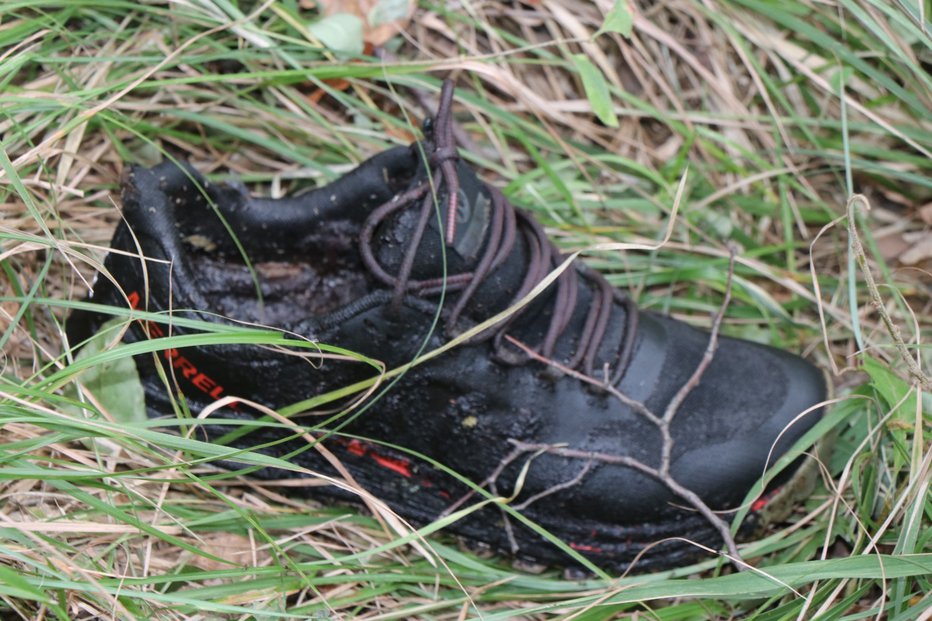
point(474, 217)
point(473, 214)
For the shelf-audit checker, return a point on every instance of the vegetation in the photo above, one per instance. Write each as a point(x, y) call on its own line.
point(800, 130)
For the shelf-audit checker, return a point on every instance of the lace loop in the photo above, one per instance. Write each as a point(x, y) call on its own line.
point(505, 225)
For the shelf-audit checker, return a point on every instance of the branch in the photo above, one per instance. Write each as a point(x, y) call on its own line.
point(663, 423)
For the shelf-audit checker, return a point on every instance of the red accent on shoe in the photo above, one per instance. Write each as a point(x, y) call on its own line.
point(762, 502)
point(396, 464)
point(357, 448)
point(189, 371)
point(362, 449)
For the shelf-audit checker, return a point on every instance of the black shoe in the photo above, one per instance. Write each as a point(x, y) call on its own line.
point(360, 264)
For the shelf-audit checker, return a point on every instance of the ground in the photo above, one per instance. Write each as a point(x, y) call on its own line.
point(798, 131)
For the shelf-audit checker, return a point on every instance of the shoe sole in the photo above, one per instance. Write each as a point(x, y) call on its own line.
point(609, 546)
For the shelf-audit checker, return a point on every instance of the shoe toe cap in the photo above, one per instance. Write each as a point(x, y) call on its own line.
point(759, 401)
point(751, 404)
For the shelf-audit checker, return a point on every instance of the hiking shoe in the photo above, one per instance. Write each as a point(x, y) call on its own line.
point(562, 407)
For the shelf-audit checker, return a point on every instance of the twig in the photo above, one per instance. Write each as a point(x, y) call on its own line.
point(622, 460)
point(489, 480)
point(661, 474)
point(674, 406)
point(874, 293)
point(634, 404)
point(556, 488)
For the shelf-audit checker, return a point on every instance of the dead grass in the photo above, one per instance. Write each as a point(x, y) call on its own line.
point(777, 129)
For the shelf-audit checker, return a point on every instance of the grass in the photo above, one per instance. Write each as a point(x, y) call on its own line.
point(779, 111)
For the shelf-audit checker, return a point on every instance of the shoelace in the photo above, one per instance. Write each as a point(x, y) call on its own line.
point(506, 223)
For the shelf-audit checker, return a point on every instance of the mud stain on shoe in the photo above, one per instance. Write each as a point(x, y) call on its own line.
point(328, 279)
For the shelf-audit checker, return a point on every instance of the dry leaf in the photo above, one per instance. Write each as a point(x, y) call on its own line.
point(891, 246)
point(925, 212)
point(920, 250)
point(382, 19)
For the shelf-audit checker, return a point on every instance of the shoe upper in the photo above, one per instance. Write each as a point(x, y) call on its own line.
point(358, 264)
